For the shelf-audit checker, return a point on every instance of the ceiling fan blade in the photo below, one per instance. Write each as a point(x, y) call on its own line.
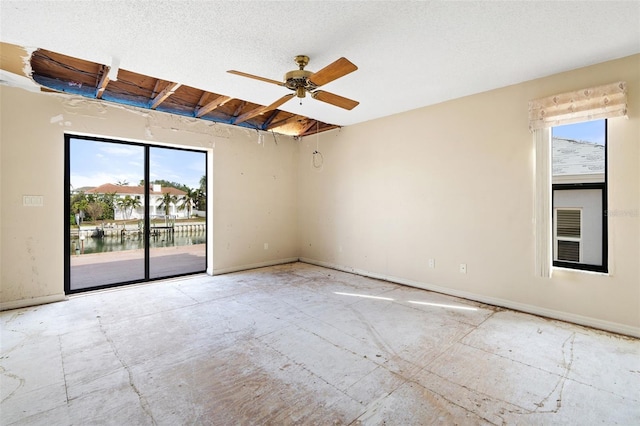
point(333, 71)
point(255, 77)
point(279, 102)
point(334, 99)
point(262, 109)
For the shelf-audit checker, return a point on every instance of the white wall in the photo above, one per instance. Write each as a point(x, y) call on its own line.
point(454, 182)
point(253, 196)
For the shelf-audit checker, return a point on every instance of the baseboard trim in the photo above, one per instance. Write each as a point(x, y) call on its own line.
point(239, 268)
point(504, 303)
point(25, 303)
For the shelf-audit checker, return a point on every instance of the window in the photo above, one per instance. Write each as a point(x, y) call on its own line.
point(579, 195)
point(589, 107)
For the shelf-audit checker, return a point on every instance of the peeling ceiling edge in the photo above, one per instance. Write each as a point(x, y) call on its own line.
point(15, 67)
point(15, 80)
point(27, 60)
point(70, 100)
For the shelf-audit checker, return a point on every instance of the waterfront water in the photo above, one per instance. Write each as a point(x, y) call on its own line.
point(109, 244)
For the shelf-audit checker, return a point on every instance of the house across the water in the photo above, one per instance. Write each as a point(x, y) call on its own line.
point(137, 192)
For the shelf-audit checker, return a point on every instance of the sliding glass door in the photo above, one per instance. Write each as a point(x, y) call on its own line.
point(177, 219)
point(135, 212)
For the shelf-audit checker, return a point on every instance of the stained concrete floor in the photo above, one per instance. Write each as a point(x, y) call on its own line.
point(300, 344)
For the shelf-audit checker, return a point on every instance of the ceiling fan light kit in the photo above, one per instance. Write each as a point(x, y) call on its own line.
point(302, 81)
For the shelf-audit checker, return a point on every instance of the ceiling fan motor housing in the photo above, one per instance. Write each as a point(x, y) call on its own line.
point(298, 81)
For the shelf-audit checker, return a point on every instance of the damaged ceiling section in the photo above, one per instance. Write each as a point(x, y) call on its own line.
point(61, 73)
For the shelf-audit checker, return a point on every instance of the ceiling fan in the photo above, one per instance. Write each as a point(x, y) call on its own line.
point(302, 81)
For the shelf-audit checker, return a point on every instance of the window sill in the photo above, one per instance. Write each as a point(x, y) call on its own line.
point(579, 271)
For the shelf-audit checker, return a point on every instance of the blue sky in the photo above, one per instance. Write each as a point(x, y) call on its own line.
point(591, 131)
point(94, 163)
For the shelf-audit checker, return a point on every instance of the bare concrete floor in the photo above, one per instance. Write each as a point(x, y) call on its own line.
point(300, 344)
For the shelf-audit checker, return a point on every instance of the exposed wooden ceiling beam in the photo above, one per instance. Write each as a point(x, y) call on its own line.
point(217, 102)
point(104, 80)
point(308, 127)
point(322, 129)
point(56, 72)
point(284, 122)
point(237, 111)
point(168, 91)
point(250, 114)
point(262, 109)
point(156, 88)
point(201, 102)
point(269, 119)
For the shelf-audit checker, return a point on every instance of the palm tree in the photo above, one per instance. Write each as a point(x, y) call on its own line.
point(127, 204)
point(202, 194)
point(122, 203)
point(134, 203)
point(188, 200)
point(166, 201)
point(202, 200)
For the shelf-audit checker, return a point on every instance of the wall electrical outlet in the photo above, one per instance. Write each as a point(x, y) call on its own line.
point(463, 268)
point(266, 246)
point(432, 263)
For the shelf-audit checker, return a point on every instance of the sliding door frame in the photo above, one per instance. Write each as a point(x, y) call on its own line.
point(147, 222)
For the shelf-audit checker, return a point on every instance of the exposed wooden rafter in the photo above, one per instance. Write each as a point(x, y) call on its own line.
point(309, 126)
point(312, 131)
point(168, 91)
point(249, 115)
point(156, 88)
point(262, 109)
point(280, 123)
point(269, 119)
point(238, 110)
point(210, 106)
point(104, 80)
point(64, 74)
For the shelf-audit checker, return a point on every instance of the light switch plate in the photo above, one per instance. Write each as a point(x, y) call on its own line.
point(32, 200)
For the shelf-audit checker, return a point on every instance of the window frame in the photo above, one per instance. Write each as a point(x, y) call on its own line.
point(68, 137)
point(603, 186)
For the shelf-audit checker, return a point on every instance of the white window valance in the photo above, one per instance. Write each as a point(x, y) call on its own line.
point(594, 103)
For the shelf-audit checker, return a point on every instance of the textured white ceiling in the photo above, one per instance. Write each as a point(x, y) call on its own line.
point(409, 54)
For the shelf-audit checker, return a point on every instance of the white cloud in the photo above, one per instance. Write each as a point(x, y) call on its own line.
point(122, 150)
